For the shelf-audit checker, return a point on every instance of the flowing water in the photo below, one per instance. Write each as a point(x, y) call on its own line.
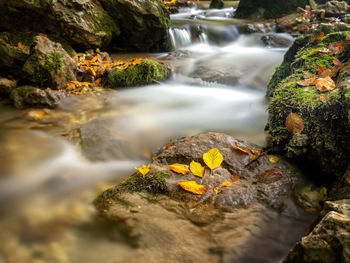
point(52, 168)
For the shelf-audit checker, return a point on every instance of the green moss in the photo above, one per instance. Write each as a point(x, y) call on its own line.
point(54, 63)
point(25, 38)
point(280, 73)
point(141, 74)
point(163, 13)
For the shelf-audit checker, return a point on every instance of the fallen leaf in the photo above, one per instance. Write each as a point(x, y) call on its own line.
point(179, 168)
point(273, 159)
point(347, 38)
point(197, 169)
point(253, 153)
point(294, 123)
point(325, 84)
point(42, 35)
point(324, 97)
point(20, 45)
point(155, 158)
point(336, 48)
point(144, 169)
point(193, 187)
point(319, 37)
point(270, 176)
point(336, 62)
point(226, 184)
point(241, 149)
point(217, 189)
point(234, 177)
point(308, 82)
point(167, 146)
point(323, 72)
point(36, 114)
point(213, 159)
point(92, 3)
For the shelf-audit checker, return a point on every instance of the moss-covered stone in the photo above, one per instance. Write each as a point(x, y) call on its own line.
point(144, 73)
point(54, 62)
point(325, 140)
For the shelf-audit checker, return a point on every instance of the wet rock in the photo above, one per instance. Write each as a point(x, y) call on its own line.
point(143, 24)
point(329, 242)
point(341, 190)
point(339, 206)
point(147, 72)
point(26, 96)
point(49, 64)
point(84, 24)
point(6, 86)
point(224, 76)
point(325, 140)
point(275, 41)
point(336, 8)
point(217, 4)
point(140, 208)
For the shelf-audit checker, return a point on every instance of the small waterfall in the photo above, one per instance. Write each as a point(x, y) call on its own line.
point(180, 37)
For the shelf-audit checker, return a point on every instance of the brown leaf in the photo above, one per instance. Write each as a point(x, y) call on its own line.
point(325, 84)
point(308, 82)
point(336, 48)
point(42, 35)
point(324, 72)
point(217, 189)
point(294, 123)
point(234, 177)
point(270, 176)
point(319, 37)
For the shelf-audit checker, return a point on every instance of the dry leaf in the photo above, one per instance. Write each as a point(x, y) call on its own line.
point(324, 97)
point(253, 153)
point(197, 169)
point(144, 169)
point(167, 146)
point(42, 35)
point(336, 62)
point(241, 149)
point(319, 37)
point(270, 176)
point(294, 123)
point(273, 159)
point(193, 187)
point(36, 114)
point(217, 189)
point(325, 84)
point(226, 184)
point(213, 159)
point(20, 45)
point(308, 82)
point(234, 177)
point(179, 168)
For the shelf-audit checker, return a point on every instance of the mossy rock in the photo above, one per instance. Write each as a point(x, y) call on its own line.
point(325, 140)
point(147, 72)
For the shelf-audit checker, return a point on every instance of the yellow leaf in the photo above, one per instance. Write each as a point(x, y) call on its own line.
point(179, 168)
point(193, 187)
point(144, 169)
point(294, 123)
point(217, 190)
point(213, 158)
point(226, 184)
point(273, 158)
point(20, 45)
point(197, 169)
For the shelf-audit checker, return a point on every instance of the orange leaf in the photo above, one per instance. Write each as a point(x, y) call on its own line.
point(234, 177)
point(336, 61)
point(226, 184)
point(179, 168)
point(336, 48)
point(270, 176)
point(167, 146)
point(253, 153)
point(92, 3)
point(42, 35)
point(20, 45)
point(193, 187)
point(241, 149)
point(319, 37)
point(308, 82)
point(294, 123)
point(325, 84)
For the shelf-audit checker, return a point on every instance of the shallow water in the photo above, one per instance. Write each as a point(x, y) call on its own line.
point(52, 168)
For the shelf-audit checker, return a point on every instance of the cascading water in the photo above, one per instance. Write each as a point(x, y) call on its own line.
point(218, 84)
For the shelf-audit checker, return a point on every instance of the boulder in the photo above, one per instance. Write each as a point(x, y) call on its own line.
point(267, 8)
point(147, 72)
point(143, 24)
point(82, 23)
point(6, 86)
point(220, 222)
point(336, 8)
point(329, 242)
point(26, 96)
point(325, 139)
point(49, 64)
point(217, 4)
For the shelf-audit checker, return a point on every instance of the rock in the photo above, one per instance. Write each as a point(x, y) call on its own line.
point(143, 24)
point(329, 242)
point(6, 86)
point(147, 72)
point(325, 140)
point(341, 190)
point(26, 96)
point(226, 76)
point(336, 8)
point(220, 222)
point(339, 206)
point(216, 4)
point(275, 41)
point(49, 64)
point(82, 23)
point(12, 58)
point(268, 8)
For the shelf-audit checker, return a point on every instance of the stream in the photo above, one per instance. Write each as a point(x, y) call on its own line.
point(53, 167)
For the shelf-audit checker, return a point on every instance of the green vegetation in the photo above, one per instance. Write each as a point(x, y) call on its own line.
point(54, 63)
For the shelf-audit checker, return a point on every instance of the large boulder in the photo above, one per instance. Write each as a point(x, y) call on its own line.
point(267, 8)
point(49, 64)
point(336, 8)
point(325, 140)
point(143, 24)
point(215, 226)
point(83, 23)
